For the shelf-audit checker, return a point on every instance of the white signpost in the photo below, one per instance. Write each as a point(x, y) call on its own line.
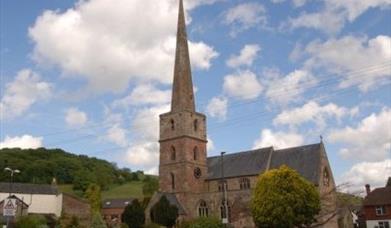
point(9, 208)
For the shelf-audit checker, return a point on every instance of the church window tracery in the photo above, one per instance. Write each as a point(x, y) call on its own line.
point(225, 210)
point(244, 183)
point(203, 210)
point(326, 177)
point(222, 185)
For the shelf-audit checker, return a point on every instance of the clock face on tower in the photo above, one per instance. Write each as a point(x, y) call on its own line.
point(197, 173)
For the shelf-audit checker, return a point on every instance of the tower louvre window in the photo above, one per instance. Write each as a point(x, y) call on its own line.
point(172, 124)
point(195, 153)
point(195, 125)
point(173, 153)
point(173, 181)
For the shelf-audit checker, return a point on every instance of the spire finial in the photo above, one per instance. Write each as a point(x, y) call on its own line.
point(182, 92)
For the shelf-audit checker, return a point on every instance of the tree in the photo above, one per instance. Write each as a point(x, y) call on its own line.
point(133, 215)
point(97, 221)
point(94, 197)
point(31, 221)
point(282, 198)
point(203, 222)
point(164, 213)
point(150, 186)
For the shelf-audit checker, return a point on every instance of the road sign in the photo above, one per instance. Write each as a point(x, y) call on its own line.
point(9, 208)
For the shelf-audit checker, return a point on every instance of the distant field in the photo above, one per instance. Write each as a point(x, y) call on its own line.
point(132, 189)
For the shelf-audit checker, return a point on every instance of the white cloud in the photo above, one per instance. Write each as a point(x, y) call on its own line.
point(75, 118)
point(117, 135)
point(144, 94)
point(332, 17)
point(20, 94)
point(217, 107)
point(245, 16)
point(246, 57)
point(285, 89)
point(296, 3)
point(210, 146)
point(144, 154)
point(278, 140)
point(370, 140)
point(243, 85)
point(109, 45)
point(365, 64)
point(373, 173)
point(311, 112)
point(146, 122)
point(23, 142)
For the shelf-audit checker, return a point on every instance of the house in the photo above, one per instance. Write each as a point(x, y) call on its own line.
point(377, 206)
point(73, 206)
point(194, 182)
point(41, 199)
point(112, 210)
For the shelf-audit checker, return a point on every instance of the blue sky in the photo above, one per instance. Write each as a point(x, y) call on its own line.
point(91, 77)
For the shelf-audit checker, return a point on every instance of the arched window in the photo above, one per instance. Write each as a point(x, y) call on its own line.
point(172, 181)
point(222, 185)
point(195, 125)
point(225, 210)
point(172, 123)
point(244, 183)
point(173, 153)
point(326, 177)
point(195, 153)
point(203, 210)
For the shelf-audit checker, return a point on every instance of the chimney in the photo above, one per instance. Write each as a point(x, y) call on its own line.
point(368, 188)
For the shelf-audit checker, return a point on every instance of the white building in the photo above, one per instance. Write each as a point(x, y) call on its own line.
point(42, 199)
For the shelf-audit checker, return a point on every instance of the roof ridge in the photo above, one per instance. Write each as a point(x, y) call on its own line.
point(242, 152)
point(294, 147)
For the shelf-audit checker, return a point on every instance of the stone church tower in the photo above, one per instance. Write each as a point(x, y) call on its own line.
point(183, 163)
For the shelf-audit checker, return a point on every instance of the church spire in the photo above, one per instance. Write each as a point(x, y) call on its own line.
point(182, 92)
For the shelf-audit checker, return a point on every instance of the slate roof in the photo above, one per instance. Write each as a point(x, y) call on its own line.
point(116, 203)
point(173, 201)
point(379, 196)
point(22, 188)
point(304, 159)
point(239, 164)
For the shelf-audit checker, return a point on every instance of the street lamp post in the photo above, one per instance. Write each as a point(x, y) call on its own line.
point(12, 172)
point(225, 203)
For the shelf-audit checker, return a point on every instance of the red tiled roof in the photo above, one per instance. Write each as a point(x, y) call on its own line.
point(379, 196)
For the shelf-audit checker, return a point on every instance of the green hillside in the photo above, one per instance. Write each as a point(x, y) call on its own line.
point(41, 166)
point(131, 189)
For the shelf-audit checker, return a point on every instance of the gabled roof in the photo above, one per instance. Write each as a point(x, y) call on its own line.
point(22, 188)
point(379, 196)
point(17, 199)
point(116, 203)
point(304, 159)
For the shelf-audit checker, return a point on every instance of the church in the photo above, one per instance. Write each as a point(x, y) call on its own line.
point(221, 186)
